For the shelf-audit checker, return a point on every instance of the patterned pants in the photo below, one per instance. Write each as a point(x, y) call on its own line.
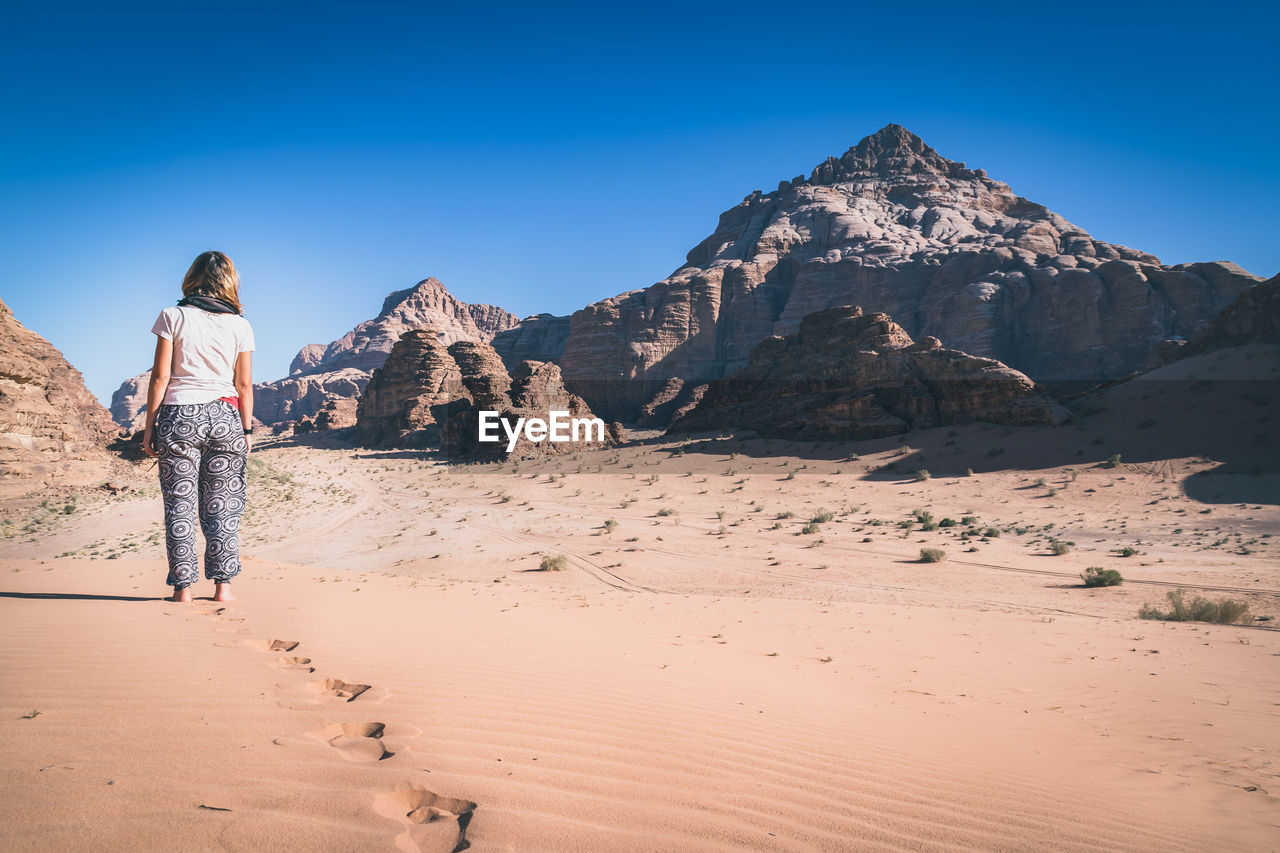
point(202, 457)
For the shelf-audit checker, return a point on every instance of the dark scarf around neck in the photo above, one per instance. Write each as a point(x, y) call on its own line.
point(212, 304)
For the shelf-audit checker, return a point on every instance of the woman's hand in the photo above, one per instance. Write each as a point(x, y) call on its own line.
point(148, 443)
point(248, 443)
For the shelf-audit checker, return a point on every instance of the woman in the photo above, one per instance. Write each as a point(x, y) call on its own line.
point(199, 423)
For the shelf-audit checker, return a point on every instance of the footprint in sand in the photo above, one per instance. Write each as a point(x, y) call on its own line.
point(434, 824)
point(278, 645)
point(338, 688)
point(294, 663)
point(357, 741)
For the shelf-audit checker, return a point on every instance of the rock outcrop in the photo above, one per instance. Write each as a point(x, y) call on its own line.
point(323, 374)
point(129, 403)
point(335, 414)
point(849, 375)
point(51, 427)
point(407, 399)
point(427, 395)
point(896, 227)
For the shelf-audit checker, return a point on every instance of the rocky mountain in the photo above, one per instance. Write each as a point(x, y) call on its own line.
point(340, 370)
point(426, 304)
point(846, 374)
point(894, 226)
point(428, 395)
point(51, 427)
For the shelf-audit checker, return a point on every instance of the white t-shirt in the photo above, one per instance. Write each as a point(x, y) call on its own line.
point(205, 346)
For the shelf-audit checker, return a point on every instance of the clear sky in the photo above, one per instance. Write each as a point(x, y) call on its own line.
point(541, 156)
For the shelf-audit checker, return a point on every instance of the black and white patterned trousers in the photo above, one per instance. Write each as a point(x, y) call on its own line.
point(202, 471)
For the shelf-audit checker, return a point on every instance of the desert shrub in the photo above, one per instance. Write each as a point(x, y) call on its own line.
point(969, 519)
point(992, 533)
point(1098, 576)
point(924, 516)
point(610, 525)
point(1057, 547)
point(1113, 461)
point(665, 511)
point(557, 563)
point(822, 517)
point(785, 515)
point(922, 475)
point(947, 522)
point(1126, 552)
point(1226, 611)
point(810, 528)
point(932, 555)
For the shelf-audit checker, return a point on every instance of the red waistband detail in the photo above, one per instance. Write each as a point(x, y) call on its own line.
point(235, 401)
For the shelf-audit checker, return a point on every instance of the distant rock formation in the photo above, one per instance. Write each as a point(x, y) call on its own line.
point(129, 402)
point(426, 304)
point(335, 414)
point(51, 428)
point(541, 337)
point(322, 373)
point(427, 395)
point(407, 399)
point(1254, 317)
point(846, 375)
point(896, 227)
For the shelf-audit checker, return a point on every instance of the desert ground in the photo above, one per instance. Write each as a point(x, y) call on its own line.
point(740, 649)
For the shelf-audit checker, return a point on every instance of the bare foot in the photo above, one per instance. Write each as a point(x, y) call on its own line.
point(223, 593)
point(182, 596)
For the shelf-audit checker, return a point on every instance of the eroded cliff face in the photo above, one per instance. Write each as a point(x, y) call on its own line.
point(846, 374)
point(51, 428)
point(541, 337)
point(895, 227)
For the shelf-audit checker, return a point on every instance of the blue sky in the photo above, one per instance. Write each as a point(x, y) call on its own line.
point(540, 157)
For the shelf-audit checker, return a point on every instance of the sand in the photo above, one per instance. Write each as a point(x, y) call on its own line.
point(398, 674)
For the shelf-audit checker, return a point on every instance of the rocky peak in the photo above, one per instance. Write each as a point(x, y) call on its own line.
point(891, 150)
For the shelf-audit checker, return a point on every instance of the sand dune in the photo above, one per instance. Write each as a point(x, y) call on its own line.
point(398, 673)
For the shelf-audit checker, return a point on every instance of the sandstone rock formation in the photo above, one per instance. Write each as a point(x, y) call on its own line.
point(51, 428)
point(129, 402)
point(896, 227)
point(427, 395)
point(846, 375)
point(541, 337)
point(339, 413)
point(426, 304)
point(1254, 317)
point(416, 390)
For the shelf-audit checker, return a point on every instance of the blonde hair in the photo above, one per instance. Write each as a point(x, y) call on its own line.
point(213, 274)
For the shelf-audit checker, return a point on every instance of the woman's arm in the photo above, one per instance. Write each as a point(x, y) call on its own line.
point(159, 383)
point(244, 387)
